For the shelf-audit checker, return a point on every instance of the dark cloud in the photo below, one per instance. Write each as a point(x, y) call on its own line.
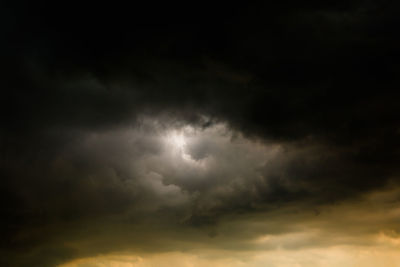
point(284, 107)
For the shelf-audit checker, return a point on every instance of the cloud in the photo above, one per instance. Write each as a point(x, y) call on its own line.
point(280, 123)
point(107, 191)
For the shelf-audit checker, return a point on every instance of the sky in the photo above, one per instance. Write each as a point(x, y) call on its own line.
point(198, 135)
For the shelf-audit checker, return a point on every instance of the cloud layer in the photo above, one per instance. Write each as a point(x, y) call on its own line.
point(275, 128)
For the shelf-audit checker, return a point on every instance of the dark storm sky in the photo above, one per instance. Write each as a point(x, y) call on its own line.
point(292, 106)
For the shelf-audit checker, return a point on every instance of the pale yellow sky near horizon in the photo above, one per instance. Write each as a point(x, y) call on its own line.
point(343, 256)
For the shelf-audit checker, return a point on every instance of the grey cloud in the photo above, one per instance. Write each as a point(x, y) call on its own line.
point(289, 108)
point(134, 174)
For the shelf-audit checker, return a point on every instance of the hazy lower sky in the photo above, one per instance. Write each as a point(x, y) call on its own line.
point(224, 135)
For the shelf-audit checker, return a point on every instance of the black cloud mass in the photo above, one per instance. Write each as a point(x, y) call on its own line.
point(153, 129)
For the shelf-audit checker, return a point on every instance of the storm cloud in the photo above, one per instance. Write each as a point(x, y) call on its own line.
point(219, 133)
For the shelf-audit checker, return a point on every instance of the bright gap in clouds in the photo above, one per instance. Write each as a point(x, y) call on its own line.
point(180, 141)
point(177, 140)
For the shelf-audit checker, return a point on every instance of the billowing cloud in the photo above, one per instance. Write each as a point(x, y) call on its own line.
point(266, 137)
